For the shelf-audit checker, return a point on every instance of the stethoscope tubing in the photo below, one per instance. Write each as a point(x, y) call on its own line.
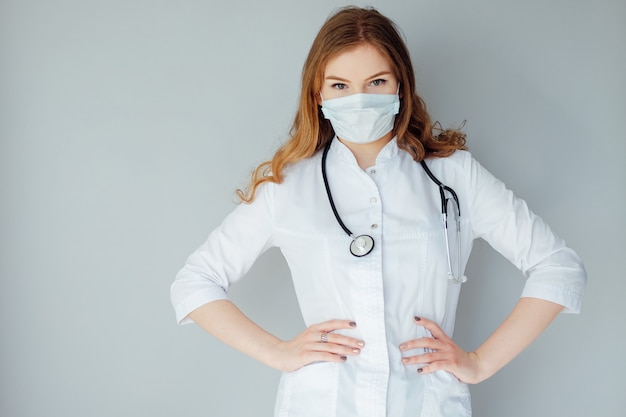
point(330, 195)
point(442, 189)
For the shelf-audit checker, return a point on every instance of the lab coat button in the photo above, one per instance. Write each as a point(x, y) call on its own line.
point(373, 200)
point(374, 226)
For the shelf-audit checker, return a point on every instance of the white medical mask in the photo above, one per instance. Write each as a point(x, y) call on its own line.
point(362, 118)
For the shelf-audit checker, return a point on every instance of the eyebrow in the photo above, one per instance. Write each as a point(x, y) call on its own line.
point(378, 74)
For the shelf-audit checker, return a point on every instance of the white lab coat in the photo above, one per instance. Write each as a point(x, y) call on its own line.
point(404, 276)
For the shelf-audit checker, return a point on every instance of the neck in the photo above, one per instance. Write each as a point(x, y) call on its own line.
point(366, 153)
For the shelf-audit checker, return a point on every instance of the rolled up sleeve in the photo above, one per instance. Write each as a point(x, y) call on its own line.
point(226, 256)
point(554, 272)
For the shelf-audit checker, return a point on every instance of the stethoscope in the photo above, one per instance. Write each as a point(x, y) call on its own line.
point(362, 245)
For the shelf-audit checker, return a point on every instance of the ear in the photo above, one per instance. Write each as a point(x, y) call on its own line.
point(318, 98)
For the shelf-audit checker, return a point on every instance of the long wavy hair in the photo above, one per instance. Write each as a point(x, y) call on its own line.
point(345, 30)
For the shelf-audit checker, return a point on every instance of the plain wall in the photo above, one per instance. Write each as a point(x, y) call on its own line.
point(125, 127)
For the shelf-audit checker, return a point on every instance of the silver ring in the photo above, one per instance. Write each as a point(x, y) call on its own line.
point(324, 337)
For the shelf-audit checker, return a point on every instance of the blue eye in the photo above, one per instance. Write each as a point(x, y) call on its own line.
point(339, 86)
point(378, 82)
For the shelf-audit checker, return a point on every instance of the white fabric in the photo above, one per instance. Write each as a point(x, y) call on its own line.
point(405, 275)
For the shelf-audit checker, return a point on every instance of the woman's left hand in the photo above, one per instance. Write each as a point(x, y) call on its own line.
point(444, 354)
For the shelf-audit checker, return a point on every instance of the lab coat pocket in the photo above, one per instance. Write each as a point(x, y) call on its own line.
point(442, 279)
point(447, 396)
point(304, 389)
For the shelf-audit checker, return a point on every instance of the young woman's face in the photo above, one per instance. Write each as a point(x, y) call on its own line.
point(361, 70)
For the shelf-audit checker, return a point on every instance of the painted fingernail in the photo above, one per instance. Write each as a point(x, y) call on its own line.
point(360, 343)
point(352, 324)
point(343, 358)
point(402, 346)
point(419, 370)
point(417, 318)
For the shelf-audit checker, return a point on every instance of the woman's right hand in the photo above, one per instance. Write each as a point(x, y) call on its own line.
point(311, 346)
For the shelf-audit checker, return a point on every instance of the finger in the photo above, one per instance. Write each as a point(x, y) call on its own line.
point(433, 327)
point(334, 348)
point(434, 366)
point(332, 325)
point(340, 339)
point(314, 356)
point(423, 343)
point(427, 358)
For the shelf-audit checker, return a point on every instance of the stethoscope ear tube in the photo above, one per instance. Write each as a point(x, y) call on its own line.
point(330, 196)
point(361, 245)
point(444, 215)
point(442, 189)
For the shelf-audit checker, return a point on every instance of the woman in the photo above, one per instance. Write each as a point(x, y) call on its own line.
point(358, 217)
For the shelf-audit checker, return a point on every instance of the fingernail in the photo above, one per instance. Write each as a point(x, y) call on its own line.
point(419, 370)
point(403, 346)
point(405, 360)
point(360, 343)
point(356, 350)
point(343, 358)
point(352, 324)
point(417, 318)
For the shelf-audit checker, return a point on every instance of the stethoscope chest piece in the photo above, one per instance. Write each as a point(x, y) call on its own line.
point(361, 245)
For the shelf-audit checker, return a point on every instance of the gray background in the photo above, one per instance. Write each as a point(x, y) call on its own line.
point(125, 126)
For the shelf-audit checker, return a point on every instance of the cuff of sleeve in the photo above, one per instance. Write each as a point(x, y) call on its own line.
point(570, 300)
point(196, 300)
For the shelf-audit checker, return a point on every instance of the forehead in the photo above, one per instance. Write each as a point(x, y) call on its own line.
point(360, 62)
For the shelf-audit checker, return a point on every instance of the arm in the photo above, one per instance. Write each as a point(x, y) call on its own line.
point(527, 320)
point(227, 323)
point(199, 293)
point(556, 278)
